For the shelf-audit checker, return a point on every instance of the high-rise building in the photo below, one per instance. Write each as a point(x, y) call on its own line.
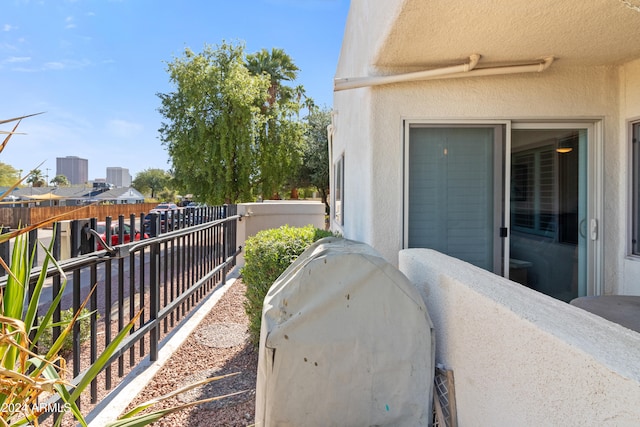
point(74, 168)
point(119, 177)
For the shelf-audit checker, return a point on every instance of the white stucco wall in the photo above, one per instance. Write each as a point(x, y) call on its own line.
point(523, 358)
point(274, 214)
point(628, 266)
point(354, 125)
point(368, 26)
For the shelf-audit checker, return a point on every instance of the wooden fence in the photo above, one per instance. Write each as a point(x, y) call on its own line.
point(14, 217)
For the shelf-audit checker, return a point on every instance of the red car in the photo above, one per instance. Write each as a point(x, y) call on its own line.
point(101, 228)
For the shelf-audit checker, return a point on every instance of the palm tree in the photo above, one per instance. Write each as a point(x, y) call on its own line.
point(279, 66)
point(36, 179)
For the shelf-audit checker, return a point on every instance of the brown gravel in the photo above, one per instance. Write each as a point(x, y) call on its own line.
point(219, 345)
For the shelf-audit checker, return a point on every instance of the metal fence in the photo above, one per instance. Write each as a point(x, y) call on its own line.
point(163, 277)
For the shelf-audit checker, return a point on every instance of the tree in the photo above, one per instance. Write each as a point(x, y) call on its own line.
point(231, 128)
point(280, 136)
point(278, 66)
point(151, 181)
point(8, 175)
point(315, 171)
point(212, 114)
point(36, 179)
point(60, 181)
point(167, 195)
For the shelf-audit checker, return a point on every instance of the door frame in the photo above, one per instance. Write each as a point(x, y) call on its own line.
point(594, 191)
point(595, 159)
point(501, 249)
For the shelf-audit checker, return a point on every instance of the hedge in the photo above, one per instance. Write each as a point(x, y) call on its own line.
point(267, 255)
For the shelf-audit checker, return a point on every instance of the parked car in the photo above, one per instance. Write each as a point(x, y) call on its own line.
point(166, 211)
point(166, 220)
point(197, 212)
point(165, 207)
point(101, 228)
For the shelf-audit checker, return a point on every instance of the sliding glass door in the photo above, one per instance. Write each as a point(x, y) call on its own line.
point(512, 198)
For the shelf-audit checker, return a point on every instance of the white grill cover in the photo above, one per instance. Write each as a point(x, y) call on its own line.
point(345, 341)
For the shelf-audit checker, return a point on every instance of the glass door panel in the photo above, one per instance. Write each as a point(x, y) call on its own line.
point(548, 211)
point(455, 192)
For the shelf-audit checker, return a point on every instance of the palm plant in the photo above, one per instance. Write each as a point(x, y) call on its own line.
point(25, 375)
point(279, 66)
point(36, 179)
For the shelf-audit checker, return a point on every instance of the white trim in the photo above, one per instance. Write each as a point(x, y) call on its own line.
point(631, 214)
point(338, 163)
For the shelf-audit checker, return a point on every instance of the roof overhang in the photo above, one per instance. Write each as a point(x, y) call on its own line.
point(438, 33)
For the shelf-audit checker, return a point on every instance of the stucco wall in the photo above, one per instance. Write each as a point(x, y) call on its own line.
point(520, 357)
point(273, 214)
point(558, 94)
point(367, 26)
point(628, 266)
point(353, 125)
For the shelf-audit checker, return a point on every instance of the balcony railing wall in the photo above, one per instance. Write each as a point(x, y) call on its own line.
point(520, 357)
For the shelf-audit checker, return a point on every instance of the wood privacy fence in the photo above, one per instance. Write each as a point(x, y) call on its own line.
point(14, 217)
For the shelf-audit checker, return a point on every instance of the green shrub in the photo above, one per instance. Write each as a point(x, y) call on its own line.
point(44, 342)
point(267, 255)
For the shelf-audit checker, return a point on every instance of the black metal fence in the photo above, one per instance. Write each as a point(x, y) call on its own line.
point(168, 265)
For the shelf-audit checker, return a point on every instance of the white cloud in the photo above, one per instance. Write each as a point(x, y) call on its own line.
point(70, 24)
point(124, 129)
point(9, 27)
point(17, 59)
point(54, 66)
point(67, 64)
point(7, 46)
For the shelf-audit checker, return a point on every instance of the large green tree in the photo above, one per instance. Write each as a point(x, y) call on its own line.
point(211, 117)
point(315, 170)
point(8, 175)
point(231, 126)
point(151, 181)
point(280, 135)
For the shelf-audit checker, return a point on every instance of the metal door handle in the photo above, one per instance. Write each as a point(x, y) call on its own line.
point(594, 229)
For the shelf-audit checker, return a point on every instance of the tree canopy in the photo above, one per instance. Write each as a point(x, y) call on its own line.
point(8, 175)
point(232, 128)
point(151, 181)
point(36, 179)
point(315, 170)
point(60, 181)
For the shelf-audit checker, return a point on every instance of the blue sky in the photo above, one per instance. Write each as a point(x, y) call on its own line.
point(95, 68)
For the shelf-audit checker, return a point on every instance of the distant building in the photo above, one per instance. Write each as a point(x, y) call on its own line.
point(119, 177)
point(74, 168)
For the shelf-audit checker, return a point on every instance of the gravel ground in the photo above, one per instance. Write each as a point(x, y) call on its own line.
point(219, 345)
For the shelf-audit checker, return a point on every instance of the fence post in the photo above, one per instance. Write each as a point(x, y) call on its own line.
point(154, 303)
point(4, 251)
point(33, 241)
point(225, 230)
